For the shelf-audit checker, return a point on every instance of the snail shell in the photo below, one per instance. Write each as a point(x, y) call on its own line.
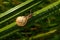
point(22, 20)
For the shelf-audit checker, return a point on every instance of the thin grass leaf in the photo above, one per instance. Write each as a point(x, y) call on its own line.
point(47, 7)
point(3, 36)
point(15, 8)
point(7, 27)
point(43, 34)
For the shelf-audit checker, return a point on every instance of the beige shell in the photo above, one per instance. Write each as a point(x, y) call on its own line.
point(22, 20)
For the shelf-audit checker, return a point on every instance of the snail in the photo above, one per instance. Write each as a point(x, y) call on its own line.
point(22, 20)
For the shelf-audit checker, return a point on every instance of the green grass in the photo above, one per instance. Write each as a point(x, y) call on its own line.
point(45, 19)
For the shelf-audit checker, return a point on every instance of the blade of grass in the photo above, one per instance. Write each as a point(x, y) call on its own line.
point(15, 8)
point(43, 34)
point(7, 27)
point(3, 36)
point(46, 8)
